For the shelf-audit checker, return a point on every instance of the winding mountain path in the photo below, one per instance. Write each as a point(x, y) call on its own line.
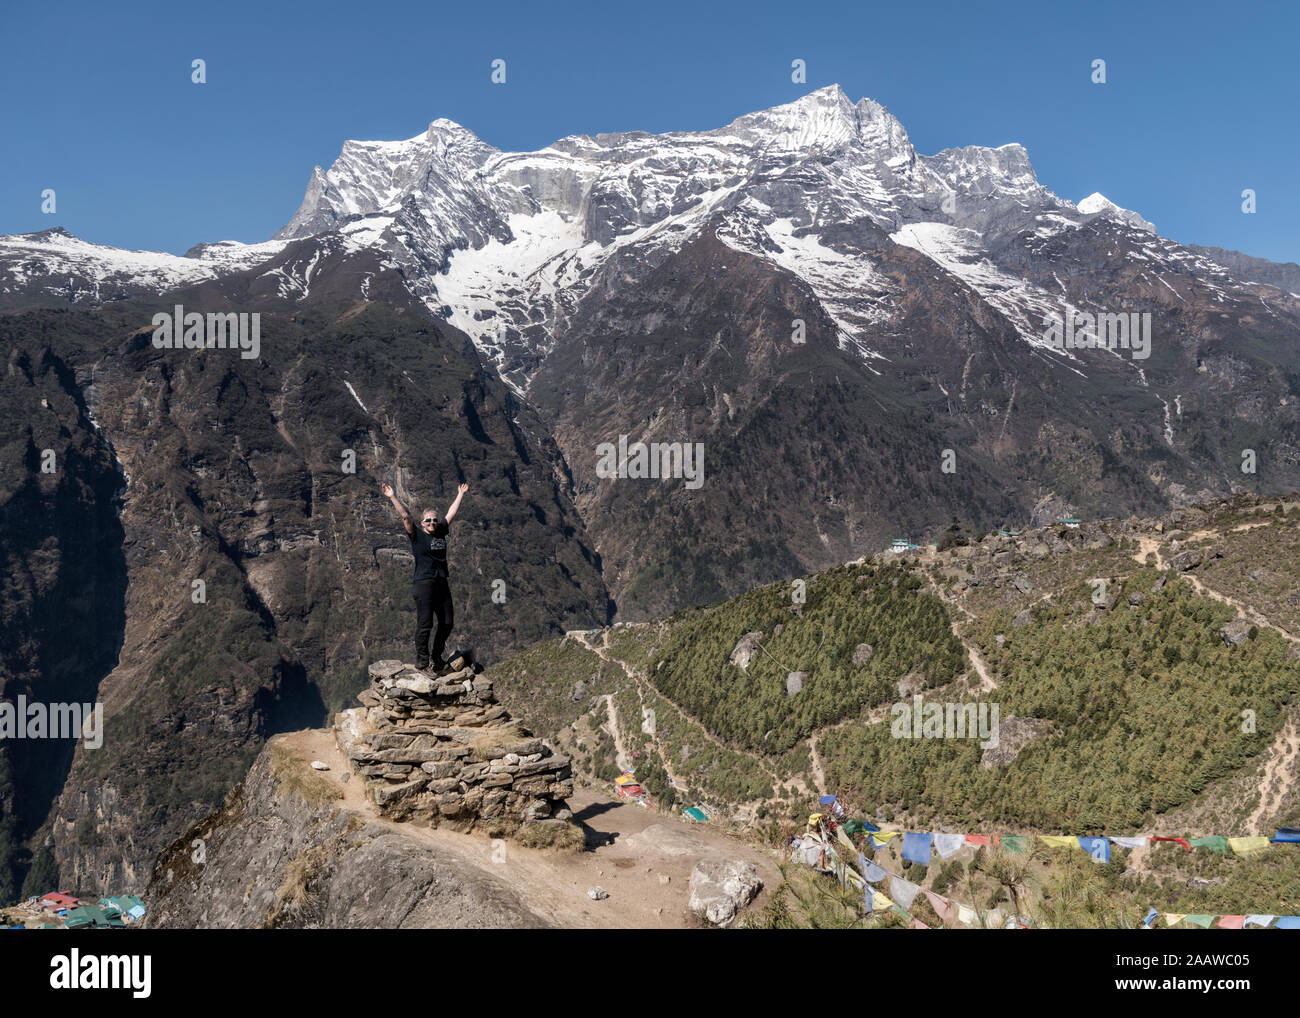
point(1282, 765)
point(1279, 777)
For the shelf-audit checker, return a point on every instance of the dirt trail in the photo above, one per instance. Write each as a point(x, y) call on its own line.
point(554, 885)
point(1151, 545)
point(621, 756)
point(602, 651)
point(987, 683)
point(1280, 771)
point(819, 772)
point(1283, 761)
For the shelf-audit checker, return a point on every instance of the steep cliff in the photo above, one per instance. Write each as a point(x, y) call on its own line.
point(250, 568)
point(285, 851)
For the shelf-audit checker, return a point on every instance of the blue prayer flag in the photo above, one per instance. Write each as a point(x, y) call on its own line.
point(916, 848)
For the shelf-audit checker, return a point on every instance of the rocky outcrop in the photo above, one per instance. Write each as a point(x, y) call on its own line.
point(1236, 632)
point(1014, 734)
point(744, 649)
point(442, 749)
point(722, 887)
point(284, 852)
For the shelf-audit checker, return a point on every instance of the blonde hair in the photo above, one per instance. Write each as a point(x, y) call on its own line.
point(426, 512)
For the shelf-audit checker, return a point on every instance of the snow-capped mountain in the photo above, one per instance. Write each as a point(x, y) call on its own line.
point(504, 245)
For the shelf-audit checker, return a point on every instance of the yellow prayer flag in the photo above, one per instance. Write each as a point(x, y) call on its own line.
point(1245, 846)
point(1174, 918)
point(879, 901)
point(1059, 840)
point(884, 837)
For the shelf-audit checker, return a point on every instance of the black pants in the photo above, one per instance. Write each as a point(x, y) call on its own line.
point(432, 599)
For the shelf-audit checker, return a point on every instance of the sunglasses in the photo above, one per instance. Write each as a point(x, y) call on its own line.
point(429, 519)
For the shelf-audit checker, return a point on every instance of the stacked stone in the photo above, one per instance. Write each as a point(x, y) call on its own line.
point(442, 749)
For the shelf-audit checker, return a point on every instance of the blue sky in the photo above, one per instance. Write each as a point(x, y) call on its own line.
point(1200, 100)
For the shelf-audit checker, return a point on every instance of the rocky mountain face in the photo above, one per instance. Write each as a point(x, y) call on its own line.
point(852, 341)
point(251, 567)
point(1284, 276)
point(65, 576)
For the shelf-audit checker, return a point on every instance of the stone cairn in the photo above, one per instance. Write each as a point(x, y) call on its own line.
point(440, 748)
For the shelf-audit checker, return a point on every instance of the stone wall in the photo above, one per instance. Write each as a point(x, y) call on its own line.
point(443, 750)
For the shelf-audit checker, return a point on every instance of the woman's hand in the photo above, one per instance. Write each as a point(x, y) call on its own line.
point(463, 488)
point(388, 490)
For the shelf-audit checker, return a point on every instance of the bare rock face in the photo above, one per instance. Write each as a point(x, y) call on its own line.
point(1014, 734)
point(722, 887)
point(744, 649)
point(1236, 632)
point(862, 653)
point(283, 851)
point(442, 749)
point(910, 684)
point(794, 682)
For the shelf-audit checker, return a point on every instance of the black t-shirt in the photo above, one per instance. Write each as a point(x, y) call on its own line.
point(430, 551)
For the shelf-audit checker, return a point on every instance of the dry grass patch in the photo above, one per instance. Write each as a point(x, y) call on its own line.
point(555, 835)
point(496, 742)
point(296, 777)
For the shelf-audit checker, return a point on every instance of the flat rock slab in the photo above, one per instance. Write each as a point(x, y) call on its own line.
point(667, 840)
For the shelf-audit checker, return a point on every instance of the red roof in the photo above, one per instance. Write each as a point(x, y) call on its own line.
point(61, 900)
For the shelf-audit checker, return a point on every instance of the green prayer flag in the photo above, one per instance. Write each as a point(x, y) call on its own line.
point(1014, 842)
point(1214, 842)
point(1203, 921)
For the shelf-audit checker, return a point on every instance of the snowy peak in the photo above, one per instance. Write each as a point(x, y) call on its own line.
point(1098, 204)
point(54, 261)
point(824, 119)
point(976, 167)
point(823, 122)
point(377, 176)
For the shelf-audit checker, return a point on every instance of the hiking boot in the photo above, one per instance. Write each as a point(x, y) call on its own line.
point(422, 666)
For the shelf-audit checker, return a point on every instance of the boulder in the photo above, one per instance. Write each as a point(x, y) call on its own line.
point(862, 653)
point(794, 682)
point(1236, 632)
point(722, 887)
point(744, 650)
point(910, 684)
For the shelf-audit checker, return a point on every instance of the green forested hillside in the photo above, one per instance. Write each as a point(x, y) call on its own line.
point(882, 606)
point(1134, 707)
point(1147, 703)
